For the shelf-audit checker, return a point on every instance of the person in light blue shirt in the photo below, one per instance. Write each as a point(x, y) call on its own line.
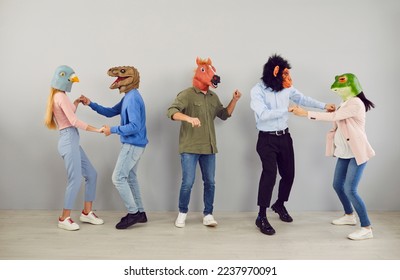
point(270, 101)
point(133, 135)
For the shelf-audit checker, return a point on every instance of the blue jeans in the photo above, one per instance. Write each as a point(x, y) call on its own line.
point(125, 179)
point(77, 165)
point(345, 182)
point(207, 166)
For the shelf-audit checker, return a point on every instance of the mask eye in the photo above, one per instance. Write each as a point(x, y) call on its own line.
point(202, 69)
point(62, 74)
point(123, 71)
point(342, 79)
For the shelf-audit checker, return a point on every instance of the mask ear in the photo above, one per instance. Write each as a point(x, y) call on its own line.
point(276, 70)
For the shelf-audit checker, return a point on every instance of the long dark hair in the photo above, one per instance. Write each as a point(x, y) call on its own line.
point(368, 104)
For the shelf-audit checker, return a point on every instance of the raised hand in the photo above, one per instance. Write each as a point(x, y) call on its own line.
point(236, 95)
point(84, 100)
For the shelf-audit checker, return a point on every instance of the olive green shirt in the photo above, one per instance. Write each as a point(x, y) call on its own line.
point(205, 107)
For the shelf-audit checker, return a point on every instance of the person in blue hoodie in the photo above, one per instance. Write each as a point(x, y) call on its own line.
point(133, 136)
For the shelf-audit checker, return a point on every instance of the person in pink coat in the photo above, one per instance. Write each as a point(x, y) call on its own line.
point(348, 142)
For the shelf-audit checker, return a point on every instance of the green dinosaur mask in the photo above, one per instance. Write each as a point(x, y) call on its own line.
point(127, 78)
point(346, 86)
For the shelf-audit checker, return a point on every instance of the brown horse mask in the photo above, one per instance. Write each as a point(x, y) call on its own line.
point(205, 75)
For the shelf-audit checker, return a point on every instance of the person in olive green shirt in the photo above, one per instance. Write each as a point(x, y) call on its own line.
point(197, 107)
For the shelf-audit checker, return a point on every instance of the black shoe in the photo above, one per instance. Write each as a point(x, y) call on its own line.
point(128, 220)
point(282, 212)
point(264, 226)
point(142, 217)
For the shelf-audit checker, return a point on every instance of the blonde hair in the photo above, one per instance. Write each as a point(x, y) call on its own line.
point(49, 120)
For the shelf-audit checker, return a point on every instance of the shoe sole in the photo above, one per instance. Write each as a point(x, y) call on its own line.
point(210, 224)
point(126, 226)
point(342, 224)
point(86, 220)
point(361, 238)
point(273, 208)
point(67, 228)
point(179, 225)
point(265, 232)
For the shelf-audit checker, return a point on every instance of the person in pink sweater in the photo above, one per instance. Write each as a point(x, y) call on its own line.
point(60, 113)
point(348, 142)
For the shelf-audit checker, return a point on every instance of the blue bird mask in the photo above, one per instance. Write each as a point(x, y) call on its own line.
point(63, 78)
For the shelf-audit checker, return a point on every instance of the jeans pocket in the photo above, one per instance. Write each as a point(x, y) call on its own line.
point(64, 141)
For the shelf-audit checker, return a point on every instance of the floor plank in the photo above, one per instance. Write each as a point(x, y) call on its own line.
point(33, 235)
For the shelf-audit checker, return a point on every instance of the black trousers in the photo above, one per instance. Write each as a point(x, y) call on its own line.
point(276, 154)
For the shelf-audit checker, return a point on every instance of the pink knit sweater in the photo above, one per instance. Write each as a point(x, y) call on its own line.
point(64, 112)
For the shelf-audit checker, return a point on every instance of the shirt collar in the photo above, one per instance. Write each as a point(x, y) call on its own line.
point(264, 86)
point(197, 90)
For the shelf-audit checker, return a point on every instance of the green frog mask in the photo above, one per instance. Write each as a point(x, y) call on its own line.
point(346, 86)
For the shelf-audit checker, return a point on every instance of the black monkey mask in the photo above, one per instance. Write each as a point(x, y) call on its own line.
point(276, 73)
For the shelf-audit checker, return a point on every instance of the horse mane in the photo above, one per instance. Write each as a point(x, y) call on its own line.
point(201, 61)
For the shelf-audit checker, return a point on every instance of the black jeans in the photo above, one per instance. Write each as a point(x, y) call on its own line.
point(276, 154)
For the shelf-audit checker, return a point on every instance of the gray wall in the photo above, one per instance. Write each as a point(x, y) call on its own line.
point(162, 39)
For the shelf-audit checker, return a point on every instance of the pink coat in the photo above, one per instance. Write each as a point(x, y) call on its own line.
point(350, 117)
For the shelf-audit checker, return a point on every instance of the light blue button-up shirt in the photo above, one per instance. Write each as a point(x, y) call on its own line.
point(271, 108)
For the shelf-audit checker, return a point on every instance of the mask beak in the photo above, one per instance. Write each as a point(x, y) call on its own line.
point(74, 78)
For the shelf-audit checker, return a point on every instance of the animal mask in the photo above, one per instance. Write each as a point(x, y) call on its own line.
point(346, 86)
point(276, 74)
point(205, 75)
point(127, 78)
point(63, 78)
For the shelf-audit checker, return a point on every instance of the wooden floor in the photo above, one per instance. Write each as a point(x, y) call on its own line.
point(33, 235)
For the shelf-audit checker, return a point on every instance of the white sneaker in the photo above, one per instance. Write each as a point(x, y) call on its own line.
point(68, 224)
point(345, 220)
point(91, 218)
point(209, 221)
point(363, 233)
point(180, 220)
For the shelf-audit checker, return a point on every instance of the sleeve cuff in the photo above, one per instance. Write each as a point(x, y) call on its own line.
point(114, 129)
point(310, 115)
point(93, 105)
point(172, 112)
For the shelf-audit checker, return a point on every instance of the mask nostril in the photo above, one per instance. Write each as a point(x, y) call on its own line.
point(216, 79)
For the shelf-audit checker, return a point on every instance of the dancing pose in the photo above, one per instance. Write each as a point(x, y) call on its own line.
point(133, 136)
point(60, 114)
point(270, 102)
point(197, 107)
point(348, 142)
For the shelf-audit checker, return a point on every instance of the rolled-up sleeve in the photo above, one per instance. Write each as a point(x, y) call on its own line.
point(177, 106)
